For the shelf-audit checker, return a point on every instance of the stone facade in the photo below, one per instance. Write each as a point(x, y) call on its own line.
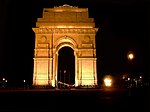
point(59, 27)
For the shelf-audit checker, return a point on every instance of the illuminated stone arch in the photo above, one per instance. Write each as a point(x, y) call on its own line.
point(65, 41)
point(65, 26)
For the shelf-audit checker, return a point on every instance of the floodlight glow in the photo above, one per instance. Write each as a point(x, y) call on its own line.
point(108, 82)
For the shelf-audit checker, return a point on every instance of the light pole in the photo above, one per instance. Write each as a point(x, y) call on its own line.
point(24, 81)
point(3, 82)
point(69, 78)
point(130, 57)
point(60, 78)
point(64, 77)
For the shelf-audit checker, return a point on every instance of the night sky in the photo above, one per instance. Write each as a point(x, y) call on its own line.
point(123, 26)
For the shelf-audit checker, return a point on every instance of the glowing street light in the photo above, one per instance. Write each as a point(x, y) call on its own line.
point(3, 79)
point(130, 55)
point(3, 83)
point(128, 78)
point(140, 77)
point(24, 83)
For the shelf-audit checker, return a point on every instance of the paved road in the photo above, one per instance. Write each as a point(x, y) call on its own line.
point(107, 100)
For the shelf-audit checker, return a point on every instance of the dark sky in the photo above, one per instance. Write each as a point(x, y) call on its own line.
point(123, 26)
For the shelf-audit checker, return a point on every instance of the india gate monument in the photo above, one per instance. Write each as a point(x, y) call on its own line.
point(65, 28)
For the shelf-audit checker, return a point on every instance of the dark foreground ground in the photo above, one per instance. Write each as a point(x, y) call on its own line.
point(108, 100)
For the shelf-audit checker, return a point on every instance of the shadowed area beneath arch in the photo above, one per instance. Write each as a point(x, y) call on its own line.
point(66, 65)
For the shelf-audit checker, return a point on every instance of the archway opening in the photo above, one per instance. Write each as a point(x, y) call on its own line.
point(66, 67)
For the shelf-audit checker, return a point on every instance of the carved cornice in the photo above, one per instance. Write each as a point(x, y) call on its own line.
point(66, 30)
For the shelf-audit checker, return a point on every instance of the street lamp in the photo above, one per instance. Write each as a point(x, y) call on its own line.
point(130, 57)
point(64, 77)
point(24, 81)
point(3, 83)
point(3, 79)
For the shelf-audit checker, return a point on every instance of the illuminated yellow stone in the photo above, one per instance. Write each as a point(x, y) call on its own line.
point(60, 27)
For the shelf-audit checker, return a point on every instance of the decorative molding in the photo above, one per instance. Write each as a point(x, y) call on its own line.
point(87, 45)
point(65, 40)
point(66, 30)
point(43, 45)
point(43, 39)
point(87, 38)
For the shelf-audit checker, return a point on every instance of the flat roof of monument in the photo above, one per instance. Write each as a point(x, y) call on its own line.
point(66, 7)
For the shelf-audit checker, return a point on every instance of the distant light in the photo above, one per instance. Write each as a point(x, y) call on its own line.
point(128, 78)
point(140, 77)
point(64, 71)
point(3, 79)
point(130, 55)
point(123, 77)
point(24, 80)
